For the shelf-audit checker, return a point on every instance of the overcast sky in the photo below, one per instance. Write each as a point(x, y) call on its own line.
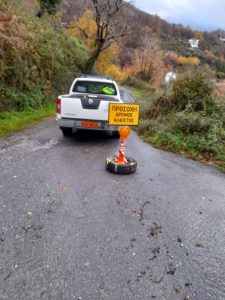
point(198, 14)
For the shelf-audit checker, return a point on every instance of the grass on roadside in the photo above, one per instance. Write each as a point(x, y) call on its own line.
point(11, 122)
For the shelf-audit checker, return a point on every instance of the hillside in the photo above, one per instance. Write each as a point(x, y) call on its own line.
point(38, 60)
point(171, 37)
point(40, 57)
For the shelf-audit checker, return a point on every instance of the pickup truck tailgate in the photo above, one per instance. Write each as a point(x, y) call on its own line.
point(89, 107)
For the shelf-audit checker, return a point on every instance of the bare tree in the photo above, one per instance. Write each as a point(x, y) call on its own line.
point(148, 58)
point(111, 24)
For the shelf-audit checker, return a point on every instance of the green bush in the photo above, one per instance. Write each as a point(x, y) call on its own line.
point(204, 144)
point(220, 75)
point(192, 122)
point(12, 99)
point(135, 82)
point(159, 106)
point(220, 65)
point(146, 126)
point(192, 92)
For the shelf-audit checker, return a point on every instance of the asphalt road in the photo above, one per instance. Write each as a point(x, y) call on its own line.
point(71, 230)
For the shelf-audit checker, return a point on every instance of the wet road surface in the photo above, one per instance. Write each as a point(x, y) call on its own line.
point(71, 230)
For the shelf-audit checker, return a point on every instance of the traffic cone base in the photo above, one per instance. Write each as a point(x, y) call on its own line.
point(121, 169)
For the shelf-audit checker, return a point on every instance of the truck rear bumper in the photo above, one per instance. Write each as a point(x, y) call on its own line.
point(77, 124)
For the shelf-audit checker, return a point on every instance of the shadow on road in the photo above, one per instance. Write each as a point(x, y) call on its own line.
point(92, 137)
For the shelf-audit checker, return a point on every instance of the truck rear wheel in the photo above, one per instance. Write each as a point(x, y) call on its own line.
point(115, 134)
point(66, 131)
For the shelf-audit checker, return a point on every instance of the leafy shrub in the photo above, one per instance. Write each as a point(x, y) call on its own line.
point(220, 65)
point(12, 99)
point(220, 75)
point(192, 92)
point(192, 122)
point(138, 83)
point(204, 144)
point(145, 126)
point(160, 106)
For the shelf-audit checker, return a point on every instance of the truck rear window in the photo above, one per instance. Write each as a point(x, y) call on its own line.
point(94, 87)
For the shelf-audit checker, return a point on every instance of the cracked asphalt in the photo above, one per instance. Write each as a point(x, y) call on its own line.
point(71, 230)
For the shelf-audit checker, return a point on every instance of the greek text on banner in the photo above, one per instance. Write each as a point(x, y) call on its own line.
point(123, 114)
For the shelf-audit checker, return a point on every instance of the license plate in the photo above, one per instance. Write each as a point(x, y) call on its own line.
point(89, 124)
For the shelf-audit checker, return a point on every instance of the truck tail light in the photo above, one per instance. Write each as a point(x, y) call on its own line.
point(58, 106)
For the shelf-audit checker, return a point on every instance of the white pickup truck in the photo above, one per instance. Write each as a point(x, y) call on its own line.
point(86, 105)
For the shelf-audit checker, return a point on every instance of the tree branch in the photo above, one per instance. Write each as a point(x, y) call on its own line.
point(83, 32)
point(117, 36)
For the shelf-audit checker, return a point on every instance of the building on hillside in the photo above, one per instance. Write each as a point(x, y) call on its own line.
point(194, 43)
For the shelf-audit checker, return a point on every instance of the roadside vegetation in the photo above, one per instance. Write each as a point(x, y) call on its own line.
point(38, 61)
point(15, 121)
point(189, 119)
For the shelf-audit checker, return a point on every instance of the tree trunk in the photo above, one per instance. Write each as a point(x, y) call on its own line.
point(91, 61)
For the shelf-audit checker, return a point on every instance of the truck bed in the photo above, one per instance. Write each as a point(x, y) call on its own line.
point(89, 107)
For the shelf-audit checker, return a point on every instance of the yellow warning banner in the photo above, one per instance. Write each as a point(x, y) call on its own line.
point(124, 114)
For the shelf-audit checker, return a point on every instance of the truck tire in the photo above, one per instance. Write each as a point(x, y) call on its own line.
point(115, 168)
point(66, 131)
